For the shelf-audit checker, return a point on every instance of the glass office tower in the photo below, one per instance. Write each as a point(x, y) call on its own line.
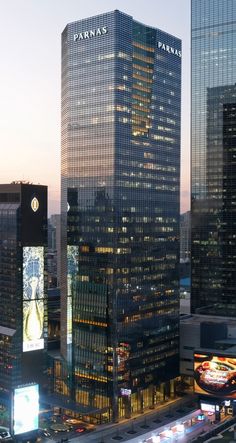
point(121, 87)
point(213, 157)
point(23, 289)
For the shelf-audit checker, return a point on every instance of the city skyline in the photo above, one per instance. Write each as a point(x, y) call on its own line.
point(30, 112)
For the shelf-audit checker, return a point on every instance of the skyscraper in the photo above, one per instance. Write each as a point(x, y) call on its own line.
point(121, 87)
point(213, 157)
point(23, 307)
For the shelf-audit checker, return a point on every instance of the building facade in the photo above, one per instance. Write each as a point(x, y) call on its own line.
point(121, 87)
point(185, 235)
point(23, 307)
point(213, 157)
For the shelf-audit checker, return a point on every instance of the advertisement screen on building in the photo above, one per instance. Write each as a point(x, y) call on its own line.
point(215, 375)
point(72, 270)
point(25, 409)
point(33, 295)
point(123, 352)
point(125, 392)
point(206, 407)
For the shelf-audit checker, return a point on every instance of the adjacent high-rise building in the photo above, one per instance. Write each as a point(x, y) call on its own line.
point(213, 157)
point(121, 94)
point(23, 291)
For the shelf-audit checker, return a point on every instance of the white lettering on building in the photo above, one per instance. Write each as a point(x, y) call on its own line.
point(169, 49)
point(92, 33)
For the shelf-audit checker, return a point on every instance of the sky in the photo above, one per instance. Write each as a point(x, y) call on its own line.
point(30, 48)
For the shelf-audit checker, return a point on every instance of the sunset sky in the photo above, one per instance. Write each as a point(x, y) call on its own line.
point(30, 32)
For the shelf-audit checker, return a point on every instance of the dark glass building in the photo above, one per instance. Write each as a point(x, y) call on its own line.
point(213, 157)
point(121, 88)
point(23, 307)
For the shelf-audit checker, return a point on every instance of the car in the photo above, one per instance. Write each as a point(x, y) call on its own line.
point(59, 427)
point(5, 434)
point(44, 433)
point(73, 421)
point(80, 429)
point(89, 427)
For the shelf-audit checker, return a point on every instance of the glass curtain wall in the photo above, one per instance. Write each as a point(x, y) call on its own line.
point(213, 92)
point(120, 188)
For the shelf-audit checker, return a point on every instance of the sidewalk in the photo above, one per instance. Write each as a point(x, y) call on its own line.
point(163, 414)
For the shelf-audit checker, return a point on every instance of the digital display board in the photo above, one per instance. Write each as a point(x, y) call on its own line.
point(33, 295)
point(215, 375)
point(72, 270)
point(125, 392)
point(206, 407)
point(25, 409)
point(123, 352)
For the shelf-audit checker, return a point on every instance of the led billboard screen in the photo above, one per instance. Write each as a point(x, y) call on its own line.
point(215, 375)
point(33, 295)
point(72, 270)
point(206, 407)
point(123, 352)
point(25, 409)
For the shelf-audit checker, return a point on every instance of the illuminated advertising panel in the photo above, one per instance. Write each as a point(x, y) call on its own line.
point(72, 270)
point(206, 407)
point(215, 375)
point(33, 295)
point(69, 320)
point(123, 352)
point(25, 409)
point(125, 392)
